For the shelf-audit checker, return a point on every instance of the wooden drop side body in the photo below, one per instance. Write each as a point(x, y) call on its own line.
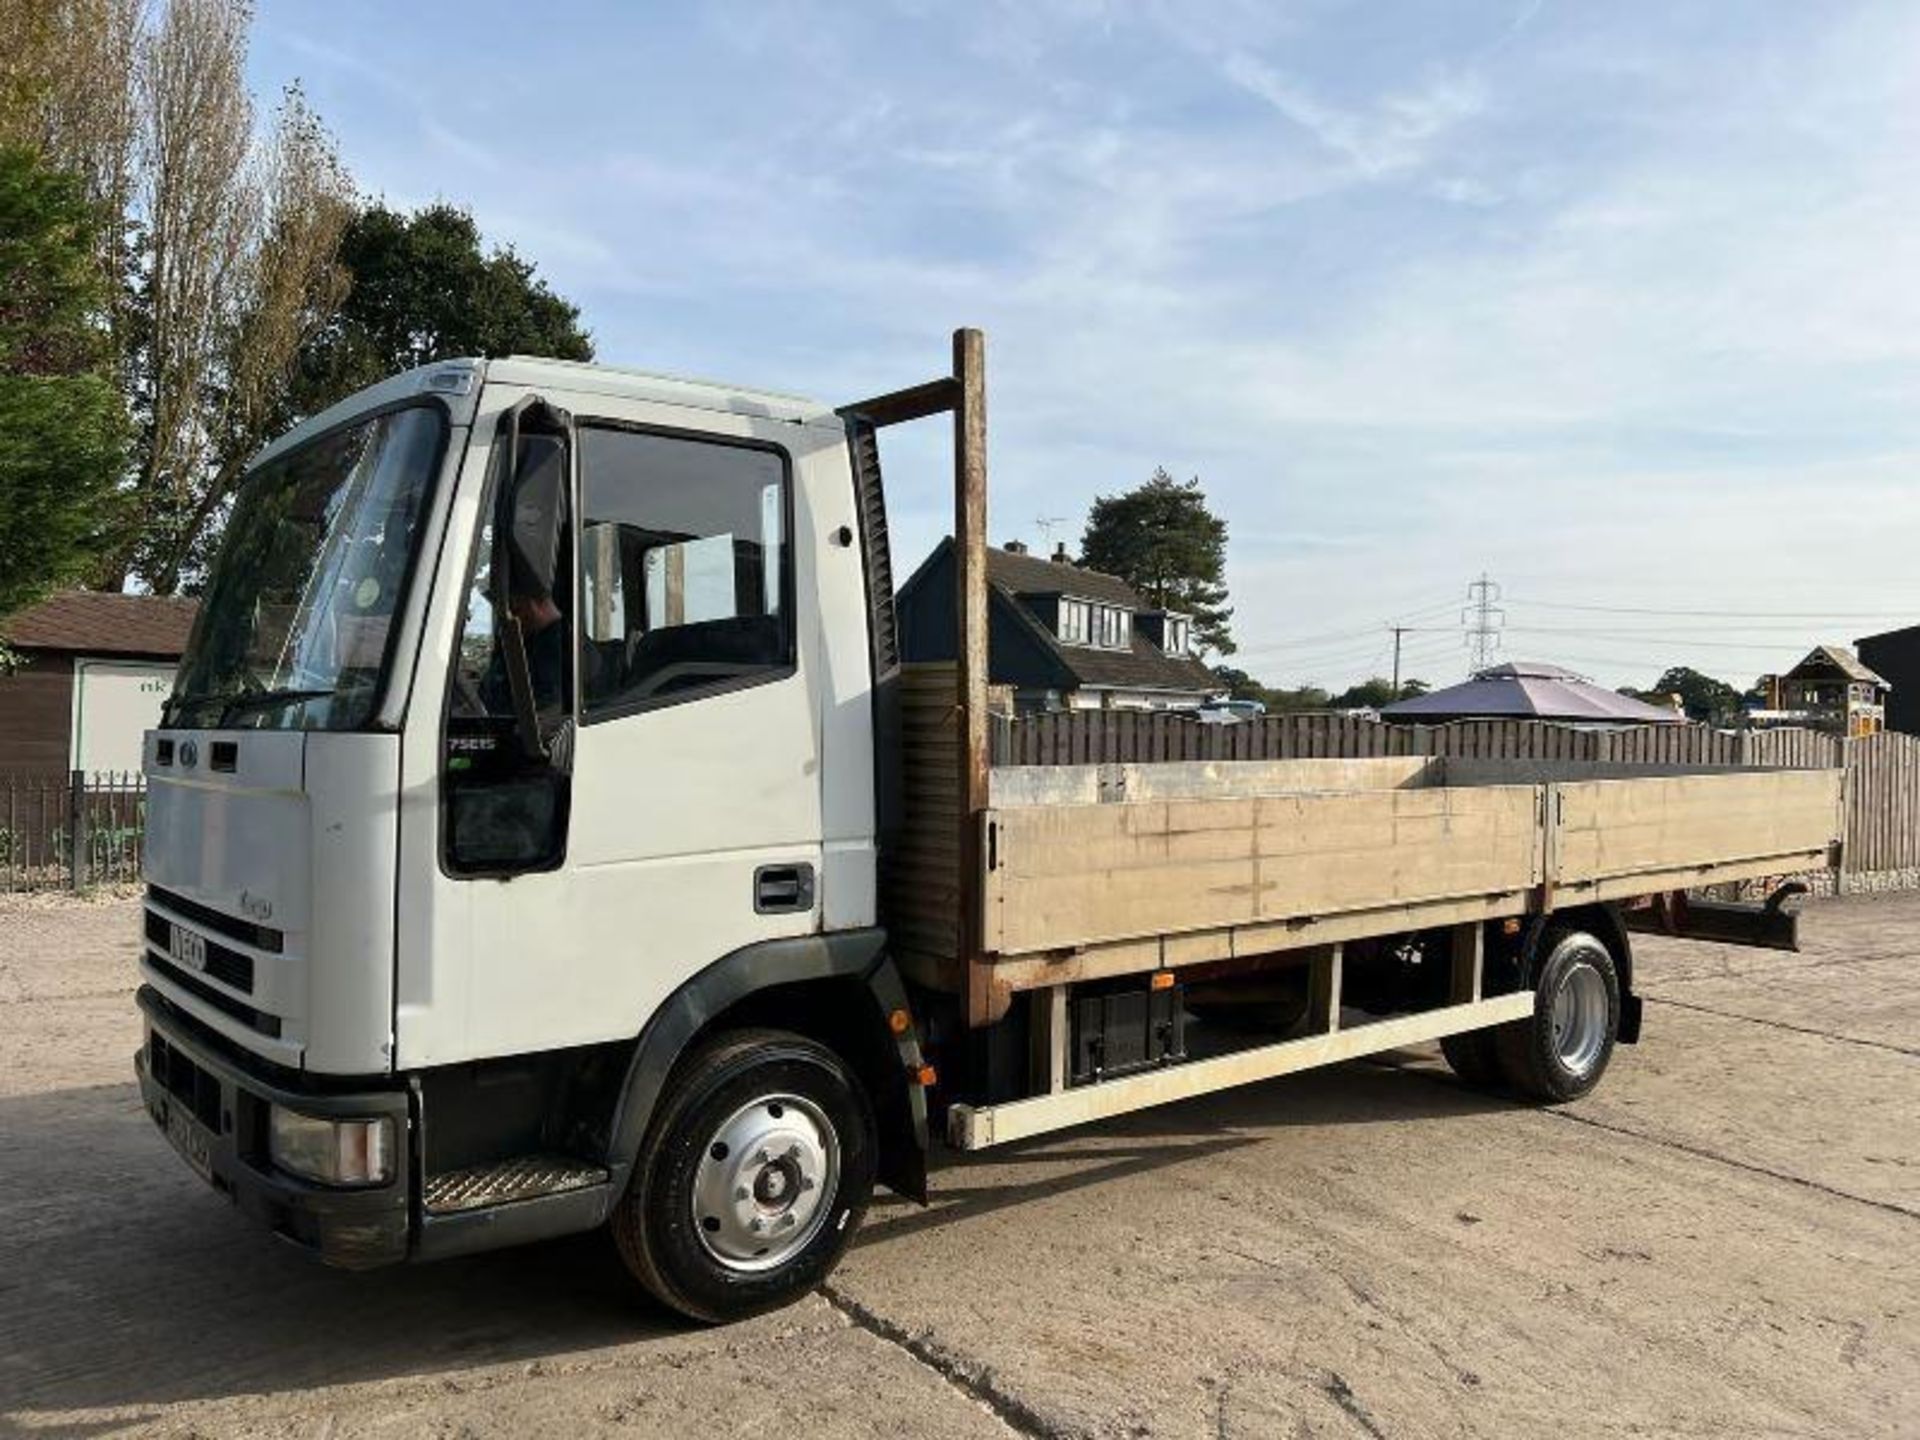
point(1092, 871)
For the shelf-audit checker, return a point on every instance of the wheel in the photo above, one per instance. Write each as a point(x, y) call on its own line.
point(1472, 1057)
point(1563, 1049)
point(753, 1177)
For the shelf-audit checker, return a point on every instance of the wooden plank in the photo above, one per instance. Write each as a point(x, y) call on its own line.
point(1104, 961)
point(978, 1127)
point(970, 605)
point(1608, 829)
point(917, 402)
point(1075, 875)
point(1202, 779)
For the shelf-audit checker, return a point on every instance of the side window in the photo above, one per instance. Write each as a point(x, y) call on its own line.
point(684, 560)
point(505, 812)
point(480, 686)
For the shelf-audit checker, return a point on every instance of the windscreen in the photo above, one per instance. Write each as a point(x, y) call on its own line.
point(294, 628)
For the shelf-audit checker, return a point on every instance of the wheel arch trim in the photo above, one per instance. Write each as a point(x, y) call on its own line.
point(857, 957)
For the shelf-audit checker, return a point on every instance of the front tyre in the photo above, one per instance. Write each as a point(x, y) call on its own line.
point(754, 1175)
point(1562, 1050)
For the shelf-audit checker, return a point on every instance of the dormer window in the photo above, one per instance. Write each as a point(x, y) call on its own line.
point(1179, 635)
point(1103, 627)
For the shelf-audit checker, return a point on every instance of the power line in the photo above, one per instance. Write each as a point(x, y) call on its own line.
point(1656, 632)
point(1633, 637)
point(1321, 655)
point(1315, 641)
point(1723, 614)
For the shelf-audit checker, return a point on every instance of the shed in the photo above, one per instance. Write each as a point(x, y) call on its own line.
point(1833, 690)
point(1528, 690)
point(94, 670)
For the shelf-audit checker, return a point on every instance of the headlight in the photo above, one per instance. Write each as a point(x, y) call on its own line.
point(334, 1152)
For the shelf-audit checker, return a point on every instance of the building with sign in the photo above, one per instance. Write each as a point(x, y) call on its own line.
point(93, 672)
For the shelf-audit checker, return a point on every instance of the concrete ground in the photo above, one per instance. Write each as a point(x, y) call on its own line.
point(1724, 1240)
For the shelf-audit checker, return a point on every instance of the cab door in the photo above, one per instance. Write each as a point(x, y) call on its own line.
point(690, 817)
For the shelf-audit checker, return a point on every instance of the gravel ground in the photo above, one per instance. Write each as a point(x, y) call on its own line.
point(1723, 1240)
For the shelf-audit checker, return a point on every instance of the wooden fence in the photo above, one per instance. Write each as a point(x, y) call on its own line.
point(41, 816)
point(1883, 810)
point(1882, 826)
point(1094, 737)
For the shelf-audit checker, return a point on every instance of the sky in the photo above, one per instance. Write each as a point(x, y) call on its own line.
point(1614, 304)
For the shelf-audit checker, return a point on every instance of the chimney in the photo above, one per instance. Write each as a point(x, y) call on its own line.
point(1060, 556)
point(1015, 547)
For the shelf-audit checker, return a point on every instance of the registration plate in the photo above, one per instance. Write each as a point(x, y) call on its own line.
point(192, 1140)
point(189, 948)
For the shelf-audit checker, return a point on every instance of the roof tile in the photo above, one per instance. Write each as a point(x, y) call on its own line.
point(95, 623)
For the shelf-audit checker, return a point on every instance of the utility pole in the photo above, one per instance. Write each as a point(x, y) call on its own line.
point(1398, 631)
point(1483, 619)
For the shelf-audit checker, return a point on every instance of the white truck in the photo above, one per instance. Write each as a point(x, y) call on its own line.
point(544, 834)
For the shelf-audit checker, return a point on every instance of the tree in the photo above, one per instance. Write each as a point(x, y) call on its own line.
point(1238, 684)
point(216, 243)
point(421, 290)
point(62, 425)
point(1162, 540)
point(1377, 692)
point(67, 91)
point(221, 253)
point(288, 284)
point(1704, 698)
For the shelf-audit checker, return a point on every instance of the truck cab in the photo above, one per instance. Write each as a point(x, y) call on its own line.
point(525, 744)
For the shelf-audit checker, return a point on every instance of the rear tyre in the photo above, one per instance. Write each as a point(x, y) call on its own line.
point(755, 1173)
point(1472, 1057)
point(1561, 1051)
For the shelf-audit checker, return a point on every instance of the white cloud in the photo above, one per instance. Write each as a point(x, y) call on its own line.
point(1394, 133)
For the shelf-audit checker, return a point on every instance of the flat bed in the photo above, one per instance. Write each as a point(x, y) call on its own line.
point(1088, 873)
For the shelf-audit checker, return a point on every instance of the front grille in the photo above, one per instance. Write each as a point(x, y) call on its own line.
point(186, 1081)
point(258, 1020)
point(229, 967)
point(260, 937)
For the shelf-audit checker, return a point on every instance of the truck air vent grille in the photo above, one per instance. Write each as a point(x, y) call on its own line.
point(871, 498)
point(180, 1077)
point(229, 967)
point(260, 937)
point(268, 1025)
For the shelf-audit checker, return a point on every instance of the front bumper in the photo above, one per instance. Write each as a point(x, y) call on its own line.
point(215, 1114)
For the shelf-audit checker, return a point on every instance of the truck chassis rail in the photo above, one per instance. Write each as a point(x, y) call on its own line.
point(972, 1127)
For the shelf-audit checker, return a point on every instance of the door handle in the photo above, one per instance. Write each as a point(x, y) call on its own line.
point(782, 889)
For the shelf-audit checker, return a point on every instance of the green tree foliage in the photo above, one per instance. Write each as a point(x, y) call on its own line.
point(63, 427)
point(1298, 701)
point(1711, 701)
point(421, 289)
point(1238, 684)
point(1162, 540)
point(1373, 694)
